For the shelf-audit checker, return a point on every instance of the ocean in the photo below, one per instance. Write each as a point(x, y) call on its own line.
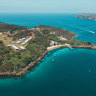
point(72, 73)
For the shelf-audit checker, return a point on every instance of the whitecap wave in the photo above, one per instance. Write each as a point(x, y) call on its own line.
point(90, 31)
point(80, 28)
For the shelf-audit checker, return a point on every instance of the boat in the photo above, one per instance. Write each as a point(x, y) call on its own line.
point(52, 60)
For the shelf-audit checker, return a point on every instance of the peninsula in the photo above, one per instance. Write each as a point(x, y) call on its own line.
point(87, 15)
point(22, 47)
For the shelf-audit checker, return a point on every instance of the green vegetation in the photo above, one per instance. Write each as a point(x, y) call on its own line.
point(15, 60)
point(78, 43)
point(4, 27)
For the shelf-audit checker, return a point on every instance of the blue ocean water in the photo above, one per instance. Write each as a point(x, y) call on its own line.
point(73, 72)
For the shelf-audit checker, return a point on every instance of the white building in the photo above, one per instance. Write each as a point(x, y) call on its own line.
point(23, 43)
point(26, 41)
point(21, 47)
point(52, 32)
point(9, 45)
point(15, 47)
point(53, 42)
point(23, 38)
point(18, 42)
point(29, 38)
point(0, 33)
point(63, 39)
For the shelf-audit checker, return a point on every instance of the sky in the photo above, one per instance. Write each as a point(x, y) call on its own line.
point(48, 6)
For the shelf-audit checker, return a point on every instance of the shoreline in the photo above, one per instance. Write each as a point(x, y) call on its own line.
point(24, 70)
point(57, 46)
point(32, 64)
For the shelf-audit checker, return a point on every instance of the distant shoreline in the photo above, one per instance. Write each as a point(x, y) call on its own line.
point(87, 16)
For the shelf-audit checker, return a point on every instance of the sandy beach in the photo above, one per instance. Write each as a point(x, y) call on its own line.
point(57, 46)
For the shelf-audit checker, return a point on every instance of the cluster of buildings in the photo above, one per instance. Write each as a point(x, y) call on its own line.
point(26, 41)
point(37, 29)
point(23, 41)
point(62, 38)
point(20, 40)
point(19, 44)
point(7, 34)
point(15, 47)
point(52, 32)
point(3, 37)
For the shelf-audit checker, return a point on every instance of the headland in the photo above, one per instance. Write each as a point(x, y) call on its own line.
point(22, 47)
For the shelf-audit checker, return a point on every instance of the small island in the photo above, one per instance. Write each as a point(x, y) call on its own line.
point(22, 47)
point(87, 15)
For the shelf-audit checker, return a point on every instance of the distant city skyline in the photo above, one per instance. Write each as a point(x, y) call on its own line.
point(48, 6)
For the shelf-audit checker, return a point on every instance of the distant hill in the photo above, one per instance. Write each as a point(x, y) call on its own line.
point(87, 15)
